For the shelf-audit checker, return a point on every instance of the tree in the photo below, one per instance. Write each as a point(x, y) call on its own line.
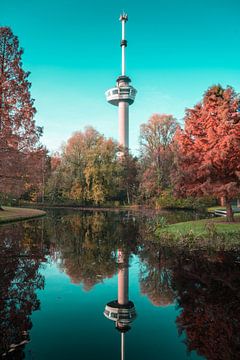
point(19, 135)
point(37, 171)
point(209, 148)
point(128, 177)
point(53, 184)
point(156, 141)
point(88, 170)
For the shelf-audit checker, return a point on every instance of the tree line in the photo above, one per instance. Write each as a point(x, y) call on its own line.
point(176, 165)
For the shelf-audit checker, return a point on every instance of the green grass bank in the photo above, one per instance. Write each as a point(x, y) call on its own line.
point(200, 227)
point(213, 233)
point(11, 214)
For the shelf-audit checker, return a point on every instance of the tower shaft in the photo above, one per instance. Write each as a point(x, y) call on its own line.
point(123, 279)
point(123, 115)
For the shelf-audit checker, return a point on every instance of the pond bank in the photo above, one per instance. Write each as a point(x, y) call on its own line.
point(11, 214)
point(198, 227)
point(215, 233)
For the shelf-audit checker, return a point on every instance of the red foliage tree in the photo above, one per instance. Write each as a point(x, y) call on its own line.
point(19, 135)
point(209, 148)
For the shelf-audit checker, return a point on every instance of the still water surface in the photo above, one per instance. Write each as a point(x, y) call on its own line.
point(59, 273)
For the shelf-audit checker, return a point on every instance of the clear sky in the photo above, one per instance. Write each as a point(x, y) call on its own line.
point(176, 50)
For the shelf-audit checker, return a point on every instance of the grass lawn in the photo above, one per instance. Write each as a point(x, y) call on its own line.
point(14, 214)
point(213, 208)
point(198, 227)
point(207, 234)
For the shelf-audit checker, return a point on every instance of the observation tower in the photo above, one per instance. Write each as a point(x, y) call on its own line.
point(122, 311)
point(123, 94)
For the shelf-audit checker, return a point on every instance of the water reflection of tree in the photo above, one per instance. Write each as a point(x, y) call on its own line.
point(206, 288)
point(156, 274)
point(209, 294)
point(21, 252)
point(86, 244)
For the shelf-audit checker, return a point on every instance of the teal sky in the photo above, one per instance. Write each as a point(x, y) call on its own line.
point(176, 50)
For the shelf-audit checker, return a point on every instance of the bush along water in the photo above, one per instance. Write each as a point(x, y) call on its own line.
point(168, 201)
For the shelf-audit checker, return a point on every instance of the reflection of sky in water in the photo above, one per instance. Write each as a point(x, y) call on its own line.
point(71, 322)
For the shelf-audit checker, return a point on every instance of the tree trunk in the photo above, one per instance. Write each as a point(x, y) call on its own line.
point(238, 203)
point(223, 201)
point(230, 216)
point(128, 197)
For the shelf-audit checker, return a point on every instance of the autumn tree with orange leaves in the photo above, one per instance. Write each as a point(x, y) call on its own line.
point(87, 171)
point(20, 152)
point(208, 160)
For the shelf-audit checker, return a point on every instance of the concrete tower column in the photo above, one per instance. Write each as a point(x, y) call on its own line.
point(123, 114)
point(123, 280)
point(123, 286)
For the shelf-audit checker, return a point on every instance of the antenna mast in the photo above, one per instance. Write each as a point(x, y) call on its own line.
point(123, 19)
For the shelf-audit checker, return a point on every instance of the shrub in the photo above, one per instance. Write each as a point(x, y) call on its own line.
point(168, 201)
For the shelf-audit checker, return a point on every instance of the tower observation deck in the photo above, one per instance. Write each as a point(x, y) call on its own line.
point(123, 94)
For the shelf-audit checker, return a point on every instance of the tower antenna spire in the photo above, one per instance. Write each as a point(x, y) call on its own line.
point(123, 19)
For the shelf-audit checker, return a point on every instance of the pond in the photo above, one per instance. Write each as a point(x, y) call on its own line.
point(87, 285)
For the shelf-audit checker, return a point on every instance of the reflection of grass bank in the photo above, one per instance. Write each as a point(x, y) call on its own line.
point(214, 233)
point(11, 214)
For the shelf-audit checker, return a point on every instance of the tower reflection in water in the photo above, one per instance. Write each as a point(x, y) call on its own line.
point(122, 310)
